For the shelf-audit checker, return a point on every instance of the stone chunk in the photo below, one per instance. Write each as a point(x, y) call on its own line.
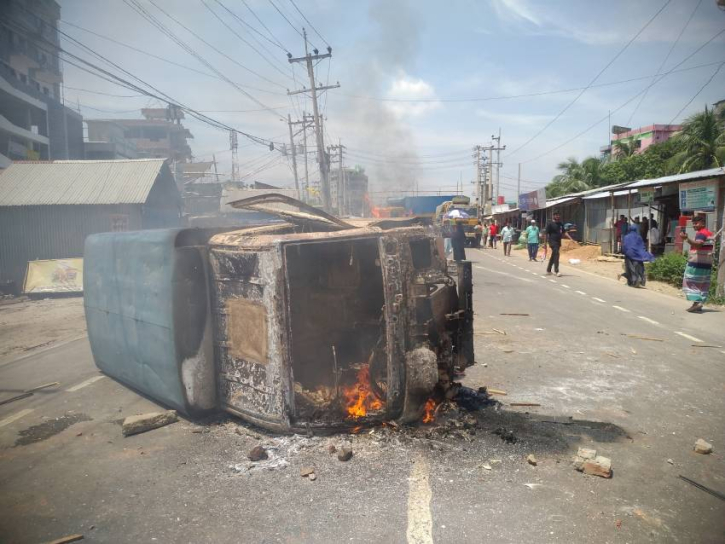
point(258, 453)
point(306, 471)
point(703, 447)
point(147, 422)
point(600, 466)
point(586, 453)
point(531, 460)
point(345, 454)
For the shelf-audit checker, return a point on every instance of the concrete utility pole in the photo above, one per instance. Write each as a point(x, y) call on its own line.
point(234, 146)
point(498, 149)
point(304, 144)
point(339, 184)
point(321, 156)
point(294, 156)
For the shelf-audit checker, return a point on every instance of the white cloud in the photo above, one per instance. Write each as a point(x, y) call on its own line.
point(408, 88)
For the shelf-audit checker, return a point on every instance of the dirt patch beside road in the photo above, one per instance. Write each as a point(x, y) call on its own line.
point(31, 324)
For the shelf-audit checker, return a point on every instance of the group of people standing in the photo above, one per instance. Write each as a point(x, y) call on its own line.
point(648, 229)
point(487, 235)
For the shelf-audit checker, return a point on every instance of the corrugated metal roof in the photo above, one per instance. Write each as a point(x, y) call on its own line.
point(700, 174)
point(78, 182)
point(607, 194)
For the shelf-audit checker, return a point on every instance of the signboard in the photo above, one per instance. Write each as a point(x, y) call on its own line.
point(646, 196)
point(698, 195)
point(500, 208)
point(54, 276)
point(535, 200)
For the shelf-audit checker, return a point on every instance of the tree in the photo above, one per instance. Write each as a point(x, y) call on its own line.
point(574, 177)
point(625, 149)
point(703, 143)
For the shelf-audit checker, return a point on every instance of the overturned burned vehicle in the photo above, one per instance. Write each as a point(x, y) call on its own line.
point(305, 323)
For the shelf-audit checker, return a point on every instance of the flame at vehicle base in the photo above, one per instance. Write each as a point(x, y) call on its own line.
point(359, 397)
point(429, 411)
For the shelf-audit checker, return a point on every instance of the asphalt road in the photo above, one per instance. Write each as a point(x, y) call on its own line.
point(613, 368)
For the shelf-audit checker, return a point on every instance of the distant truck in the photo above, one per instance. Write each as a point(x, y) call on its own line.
point(420, 206)
point(463, 203)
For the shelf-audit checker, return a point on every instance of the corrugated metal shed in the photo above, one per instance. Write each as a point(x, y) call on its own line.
point(78, 182)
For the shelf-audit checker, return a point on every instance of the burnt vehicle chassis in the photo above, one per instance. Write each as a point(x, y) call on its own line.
point(317, 324)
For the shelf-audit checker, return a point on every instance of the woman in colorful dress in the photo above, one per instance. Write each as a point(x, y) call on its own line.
point(696, 282)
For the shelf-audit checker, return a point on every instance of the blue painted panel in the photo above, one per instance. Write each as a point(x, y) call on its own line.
point(145, 300)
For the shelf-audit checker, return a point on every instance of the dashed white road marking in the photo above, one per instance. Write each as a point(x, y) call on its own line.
point(691, 338)
point(8, 420)
point(581, 292)
point(504, 274)
point(621, 309)
point(648, 320)
point(420, 519)
point(566, 286)
point(599, 299)
point(81, 385)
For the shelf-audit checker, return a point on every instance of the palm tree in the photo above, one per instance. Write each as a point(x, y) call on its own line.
point(575, 177)
point(703, 139)
point(625, 149)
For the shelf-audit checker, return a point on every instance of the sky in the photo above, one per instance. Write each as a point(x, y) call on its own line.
point(421, 82)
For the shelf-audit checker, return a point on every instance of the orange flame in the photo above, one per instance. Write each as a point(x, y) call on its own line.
point(359, 397)
point(428, 414)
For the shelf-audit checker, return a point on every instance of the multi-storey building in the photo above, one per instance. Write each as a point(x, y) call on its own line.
point(34, 123)
point(641, 138)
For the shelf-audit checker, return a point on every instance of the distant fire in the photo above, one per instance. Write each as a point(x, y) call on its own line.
point(429, 411)
point(359, 397)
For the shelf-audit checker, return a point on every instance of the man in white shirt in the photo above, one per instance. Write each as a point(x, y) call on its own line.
point(507, 234)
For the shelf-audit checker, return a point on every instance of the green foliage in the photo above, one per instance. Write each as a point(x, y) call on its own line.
point(703, 140)
point(669, 269)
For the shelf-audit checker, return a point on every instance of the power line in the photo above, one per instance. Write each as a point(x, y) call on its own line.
point(513, 96)
point(309, 23)
point(104, 94)
point(155, 22)
point(664, 61)
point(242, 39)
point(117, 42)
point(263, 25)
point(577, 97)
point(285, 18)
point(250, 27)
point(698, 92)
point(113, 78)
point(606, 117)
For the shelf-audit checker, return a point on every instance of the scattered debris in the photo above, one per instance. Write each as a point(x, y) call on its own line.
point(16, 397)
point(487, 467)
point(706, 489)
point(618, 524)
point(306, 471)
point(639, 337)
point(588, 462)
point(517, 315)
point(312, 477)
point(345, 454)
point(44, 386)
point(705, 346)
point(634, 351)
point(506, 435)
point(703, 447)
point(499, 331)
point(66, 539)
point(496, 391)
point(331, 449)
point(670, 461)
point(606, 259)
point(524, 404)
point(532, 460)
point(147, 422)
point(539, 329)
point(258, 453)
point(575, 261)
point(508, 351)
point(471, 400)
point(532, 486)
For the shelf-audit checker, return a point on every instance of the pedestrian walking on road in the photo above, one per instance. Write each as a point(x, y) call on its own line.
point(635, 255)
point(696, 281)
point(484, 233)
point(532, 240)
point(447, 232)
point(507, 235)
point(492, 234)
point(459, 242)
point(554, 232)
point(478, 230)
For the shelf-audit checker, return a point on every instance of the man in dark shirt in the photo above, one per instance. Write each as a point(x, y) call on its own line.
point(554, 232)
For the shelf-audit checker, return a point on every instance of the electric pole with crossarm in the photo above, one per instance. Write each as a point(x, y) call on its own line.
point(308, 59)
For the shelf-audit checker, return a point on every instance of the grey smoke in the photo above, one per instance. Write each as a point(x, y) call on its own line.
point(379, 131)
